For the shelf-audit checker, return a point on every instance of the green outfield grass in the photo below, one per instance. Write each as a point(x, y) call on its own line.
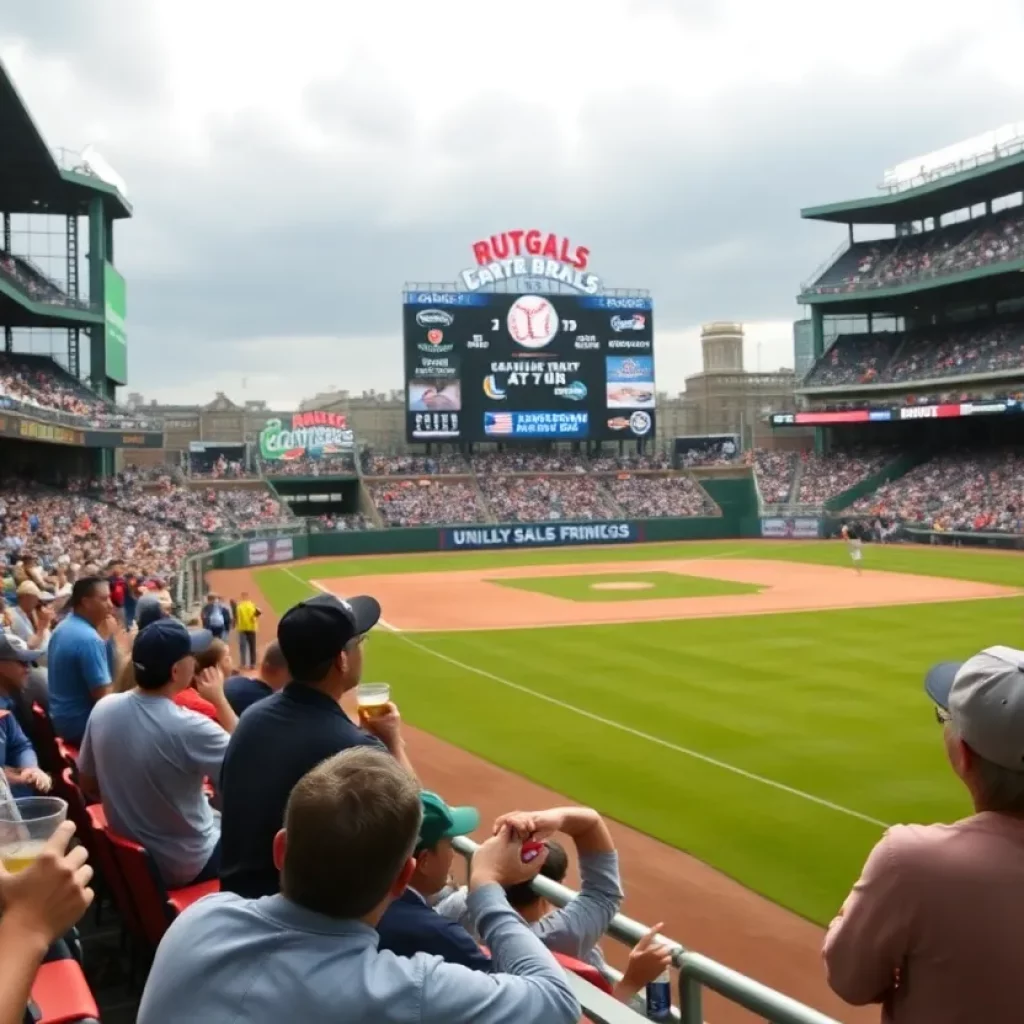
point(827, 703)
point(618, 586)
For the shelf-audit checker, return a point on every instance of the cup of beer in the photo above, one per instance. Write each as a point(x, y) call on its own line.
point(372, 699)
point(26, 825)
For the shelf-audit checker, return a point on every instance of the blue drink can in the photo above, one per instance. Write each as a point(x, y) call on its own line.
point(659, 998)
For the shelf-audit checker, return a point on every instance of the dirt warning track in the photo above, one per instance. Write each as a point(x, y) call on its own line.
point(470, 599)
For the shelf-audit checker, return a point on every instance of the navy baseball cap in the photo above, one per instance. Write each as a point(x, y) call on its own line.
point(13, 648)
point(160, 646)
point(149, 610)
point(317, 630)
point(985, 700)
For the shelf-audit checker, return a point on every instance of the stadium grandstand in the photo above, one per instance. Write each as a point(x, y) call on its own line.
point(914, 395)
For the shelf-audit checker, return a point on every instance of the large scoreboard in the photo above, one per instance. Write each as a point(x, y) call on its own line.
point(490, 366)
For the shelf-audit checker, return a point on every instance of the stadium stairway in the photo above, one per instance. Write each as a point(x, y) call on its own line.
point(489, 516)
point(794, 487)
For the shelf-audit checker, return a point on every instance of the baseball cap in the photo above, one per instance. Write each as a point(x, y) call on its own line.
point(13, 648)
point(29, 589)
point(985, 700)
point(443, 822)
point(161, 645)
point(315, 631)
point(148, 611)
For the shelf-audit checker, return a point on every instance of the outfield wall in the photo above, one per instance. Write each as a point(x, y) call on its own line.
point(477, 537)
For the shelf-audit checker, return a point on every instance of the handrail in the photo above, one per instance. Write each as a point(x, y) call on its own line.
point(696, 971)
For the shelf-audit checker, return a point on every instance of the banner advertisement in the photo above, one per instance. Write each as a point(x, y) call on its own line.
point(311, 435)
point(802, 528)
point(115, 308)
point(277, 549)
point(539, 535)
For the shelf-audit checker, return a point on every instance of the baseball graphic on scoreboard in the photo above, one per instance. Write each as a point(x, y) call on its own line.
point(532, 321)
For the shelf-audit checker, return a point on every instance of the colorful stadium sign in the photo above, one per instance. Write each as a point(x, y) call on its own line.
point(944, 411)
point(529, 253)
point(312, 434)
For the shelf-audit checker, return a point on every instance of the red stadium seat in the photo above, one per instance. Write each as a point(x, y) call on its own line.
point(54, 754)
point(156, 905)
point(62, 995)
point(588, 972)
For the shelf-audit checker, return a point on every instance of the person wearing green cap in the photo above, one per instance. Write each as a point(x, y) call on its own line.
point(410, 925)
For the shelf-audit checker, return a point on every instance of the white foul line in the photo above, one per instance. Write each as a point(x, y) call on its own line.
point(629, 730)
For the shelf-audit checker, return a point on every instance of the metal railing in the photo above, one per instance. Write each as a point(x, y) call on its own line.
point(696, 972)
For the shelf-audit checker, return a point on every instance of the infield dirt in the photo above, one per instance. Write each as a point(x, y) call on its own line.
point(701, 908)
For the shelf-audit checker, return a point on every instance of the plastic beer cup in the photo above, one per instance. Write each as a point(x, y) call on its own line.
point(26, 826)
point(373, 698)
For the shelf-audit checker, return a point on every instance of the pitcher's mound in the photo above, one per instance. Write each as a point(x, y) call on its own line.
point(622, 585)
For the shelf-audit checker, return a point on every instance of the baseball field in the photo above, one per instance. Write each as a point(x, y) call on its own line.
point(758, 705)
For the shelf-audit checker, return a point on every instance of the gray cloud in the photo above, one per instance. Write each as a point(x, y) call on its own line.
point(697, 200)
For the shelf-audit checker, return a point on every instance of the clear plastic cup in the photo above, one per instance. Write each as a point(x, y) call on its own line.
point(26, 825)
point(372, 699)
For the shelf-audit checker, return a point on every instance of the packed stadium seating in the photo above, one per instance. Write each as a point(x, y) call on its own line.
point(963, 246)
point(426, 502)
point(340, 464)
point(412, 465)
point(775, 471)
point(824, 477)
point(536, 499)
point(651, 497)
point(926, 354)
point(31, 280)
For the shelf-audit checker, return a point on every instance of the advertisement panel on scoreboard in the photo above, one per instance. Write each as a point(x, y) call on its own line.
point(497, 367)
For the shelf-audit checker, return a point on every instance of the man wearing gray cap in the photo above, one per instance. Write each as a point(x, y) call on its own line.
point(931, 928)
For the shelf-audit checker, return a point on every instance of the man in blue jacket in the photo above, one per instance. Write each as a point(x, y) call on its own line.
point(216, 617)
point(17, 755)
point(410, 925)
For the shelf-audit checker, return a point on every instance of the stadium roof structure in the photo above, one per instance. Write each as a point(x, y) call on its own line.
point(971, 186)
point(32, 181)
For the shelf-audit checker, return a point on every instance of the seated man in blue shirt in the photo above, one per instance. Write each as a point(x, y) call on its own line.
point(17, 755)
point(77, 660)
point(409, 925)
point(309, 953)
point(244, 691)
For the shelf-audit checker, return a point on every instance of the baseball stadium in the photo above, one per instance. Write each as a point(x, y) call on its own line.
point(718, 642)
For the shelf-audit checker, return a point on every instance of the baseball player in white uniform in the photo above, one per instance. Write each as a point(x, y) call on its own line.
point(851, 535)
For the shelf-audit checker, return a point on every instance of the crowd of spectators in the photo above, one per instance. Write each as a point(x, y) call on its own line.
point(71, 530)
point(953, 249)
point(823, 477)
point(962, 491)
point(631, 462)
point(426, 502)
point(220, 468)
point(338, 523)
point(204, 510)
point(487, 463)
point(717, 453)
point(650, 497)
point(854, 359)
point(412, 465)
point(775, 471)
point(34, 282)
point(534, 499)
point(338, 464)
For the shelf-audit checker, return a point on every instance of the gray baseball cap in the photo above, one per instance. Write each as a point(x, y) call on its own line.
point(985, 700)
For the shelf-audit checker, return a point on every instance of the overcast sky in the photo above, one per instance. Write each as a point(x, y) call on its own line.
point(291, 165)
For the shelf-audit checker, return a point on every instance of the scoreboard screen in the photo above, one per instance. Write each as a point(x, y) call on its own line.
point(495, 367)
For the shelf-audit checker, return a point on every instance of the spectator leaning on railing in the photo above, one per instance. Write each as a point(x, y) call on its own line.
point(931, 928)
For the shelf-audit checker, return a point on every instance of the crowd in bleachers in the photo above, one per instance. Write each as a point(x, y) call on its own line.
point(823, 477)
point(426, 502)
point(953, 249)
point(206, 510)
point(534, 499)
point(630, 462)
point(925, 354)
point(963, 491)
point(338, 464)
point(487, 463)
point(337, 523)
point(34, 282)
point(774, 471)
point(718, 453)
point(650, 497)
point(412, 465)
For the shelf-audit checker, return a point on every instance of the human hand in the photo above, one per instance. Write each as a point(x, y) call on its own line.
point(49, 897)
point(37, 778)
point(45, 615)
point(210, 684)
point(386, 727)
point(500, 859)
point(108, 627)
point(647, 960)
point(542, 824)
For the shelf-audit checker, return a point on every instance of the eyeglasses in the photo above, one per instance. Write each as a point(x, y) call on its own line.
point(942, 716)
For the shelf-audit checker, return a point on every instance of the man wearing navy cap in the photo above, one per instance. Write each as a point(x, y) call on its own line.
point(281, 738)
point(931, 929)
point(147, 758)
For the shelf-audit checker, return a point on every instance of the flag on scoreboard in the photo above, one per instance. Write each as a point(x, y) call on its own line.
point(497, 423)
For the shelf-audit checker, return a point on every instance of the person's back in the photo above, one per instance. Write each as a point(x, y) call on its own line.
point(954, 895)
point(310, 953)
point(77, 665)
point(150, 758)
